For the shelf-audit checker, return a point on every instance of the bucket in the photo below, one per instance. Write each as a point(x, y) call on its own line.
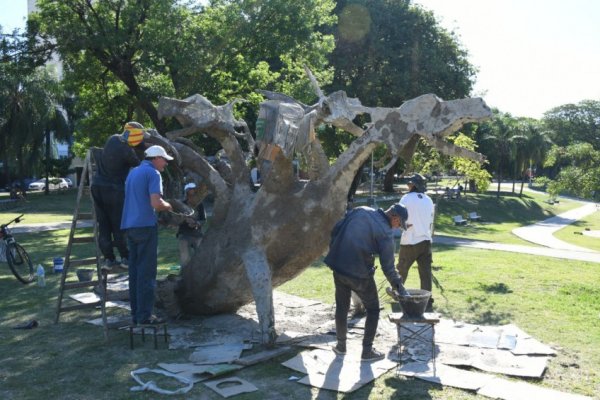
point(413, 306)
point(85, 275)
point(58, 264)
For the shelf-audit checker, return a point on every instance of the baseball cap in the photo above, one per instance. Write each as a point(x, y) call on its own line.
point(402, 212)
point(189, 186)
point(419, 181)
point(157, 151)
point(133, 132)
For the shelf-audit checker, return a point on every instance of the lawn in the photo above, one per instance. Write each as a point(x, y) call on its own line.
point(556, 301)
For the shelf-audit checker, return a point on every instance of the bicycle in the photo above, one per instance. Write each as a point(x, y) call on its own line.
point(15, 255)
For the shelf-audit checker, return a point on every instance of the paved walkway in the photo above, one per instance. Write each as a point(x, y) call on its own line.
point(587, 255)
point(48, 226)
point(542, 232)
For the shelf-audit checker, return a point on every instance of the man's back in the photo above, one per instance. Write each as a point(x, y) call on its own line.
point(142, 182)
point(116, 161)
point(356, 239)
point(420, 217)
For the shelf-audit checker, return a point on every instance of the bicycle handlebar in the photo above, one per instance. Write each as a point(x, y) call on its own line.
point(16, 220)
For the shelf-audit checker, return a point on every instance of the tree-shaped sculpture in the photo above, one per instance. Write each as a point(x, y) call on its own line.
point(259, 240)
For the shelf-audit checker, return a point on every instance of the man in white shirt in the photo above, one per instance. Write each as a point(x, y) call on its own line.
point(415, 243)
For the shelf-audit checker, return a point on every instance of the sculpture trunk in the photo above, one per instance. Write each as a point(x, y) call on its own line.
point(259, 240)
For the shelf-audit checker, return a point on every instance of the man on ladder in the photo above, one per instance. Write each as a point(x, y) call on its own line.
point(108, 190)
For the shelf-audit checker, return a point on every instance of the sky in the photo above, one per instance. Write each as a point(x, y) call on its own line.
point(532, 55)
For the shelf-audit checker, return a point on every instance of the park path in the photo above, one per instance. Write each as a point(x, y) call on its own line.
point(542, 232)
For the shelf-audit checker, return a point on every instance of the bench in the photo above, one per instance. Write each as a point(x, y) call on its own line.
point(459, 220)
point(452, 193)
point(474, 217)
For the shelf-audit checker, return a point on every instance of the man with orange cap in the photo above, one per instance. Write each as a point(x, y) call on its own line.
point(108, 190)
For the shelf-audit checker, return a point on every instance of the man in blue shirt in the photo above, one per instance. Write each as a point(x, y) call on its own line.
point(143, 197)
point(355, 240)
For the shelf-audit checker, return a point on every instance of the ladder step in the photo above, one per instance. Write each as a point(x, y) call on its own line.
point(76, 285)
point(83, 239)
point(84, 216)
point(83, 261)
point(80, 306)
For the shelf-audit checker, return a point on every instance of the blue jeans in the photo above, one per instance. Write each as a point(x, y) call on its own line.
point(143, 251)
point(367, 292)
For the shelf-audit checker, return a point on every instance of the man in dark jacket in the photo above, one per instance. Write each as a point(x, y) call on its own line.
point(108, 190)
point(355, 240)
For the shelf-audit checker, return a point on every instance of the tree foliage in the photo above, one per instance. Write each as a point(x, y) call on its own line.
point(29, 109)
point(470, 169)
point(120, 56)
point(390, 51)
point(571, 123)
point(580, 174)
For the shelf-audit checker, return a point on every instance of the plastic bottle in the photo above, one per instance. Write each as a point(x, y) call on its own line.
point(41, 275)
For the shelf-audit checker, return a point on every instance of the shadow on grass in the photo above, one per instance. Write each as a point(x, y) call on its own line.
point(508, 208)
point(498, 288)
point(483, 312)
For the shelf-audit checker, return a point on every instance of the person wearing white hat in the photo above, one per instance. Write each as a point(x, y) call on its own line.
point(190, 230)
point(143, 198)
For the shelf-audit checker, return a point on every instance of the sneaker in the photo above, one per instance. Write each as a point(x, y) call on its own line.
point(109, 264)
point(124, 263)
point(153, 320)
point(339, 350)
point(372, 355)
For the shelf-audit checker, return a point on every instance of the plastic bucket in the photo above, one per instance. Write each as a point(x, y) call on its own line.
point(58, 264)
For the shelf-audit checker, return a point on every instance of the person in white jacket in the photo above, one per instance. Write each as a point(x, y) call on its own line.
point(415, 242)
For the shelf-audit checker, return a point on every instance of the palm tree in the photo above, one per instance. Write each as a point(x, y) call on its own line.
point(502, 134)
point(29, 112)
point(536, 146)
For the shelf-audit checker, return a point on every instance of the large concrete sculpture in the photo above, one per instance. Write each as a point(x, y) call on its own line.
point(259, 240)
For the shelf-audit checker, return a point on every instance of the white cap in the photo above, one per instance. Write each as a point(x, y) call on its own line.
point(157, 151)
point(189, 186)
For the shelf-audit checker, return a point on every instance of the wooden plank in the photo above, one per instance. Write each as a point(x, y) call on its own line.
point(83, 262)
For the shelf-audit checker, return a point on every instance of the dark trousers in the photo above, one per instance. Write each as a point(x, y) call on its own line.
point(108, 204)
point(143, 251)
point(367, 292)
point(421, 253)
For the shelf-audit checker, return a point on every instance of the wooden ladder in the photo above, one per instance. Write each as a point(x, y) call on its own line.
point(76, 237)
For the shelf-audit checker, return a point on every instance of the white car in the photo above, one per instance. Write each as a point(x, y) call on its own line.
point(54, 184)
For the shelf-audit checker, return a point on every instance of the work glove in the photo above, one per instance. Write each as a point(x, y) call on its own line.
point(400, 287)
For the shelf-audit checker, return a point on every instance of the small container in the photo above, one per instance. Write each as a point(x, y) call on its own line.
point(85, 275)
point(58, 265)
point(413, 306)
point(41, 276)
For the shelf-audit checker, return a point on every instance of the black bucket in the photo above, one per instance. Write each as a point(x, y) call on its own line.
point(85, 275)
point(414, 306)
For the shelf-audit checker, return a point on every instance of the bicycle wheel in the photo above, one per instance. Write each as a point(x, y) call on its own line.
point(19, 263)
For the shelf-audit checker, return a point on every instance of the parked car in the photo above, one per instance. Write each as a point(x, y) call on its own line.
point(54, 184)
point(69, 182)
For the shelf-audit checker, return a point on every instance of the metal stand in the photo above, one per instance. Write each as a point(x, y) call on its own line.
point(416, 330)
point(154, 328)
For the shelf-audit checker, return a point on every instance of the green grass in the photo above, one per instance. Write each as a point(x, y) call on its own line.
point(573, 233)
point(556, 301)
point(55, 207)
